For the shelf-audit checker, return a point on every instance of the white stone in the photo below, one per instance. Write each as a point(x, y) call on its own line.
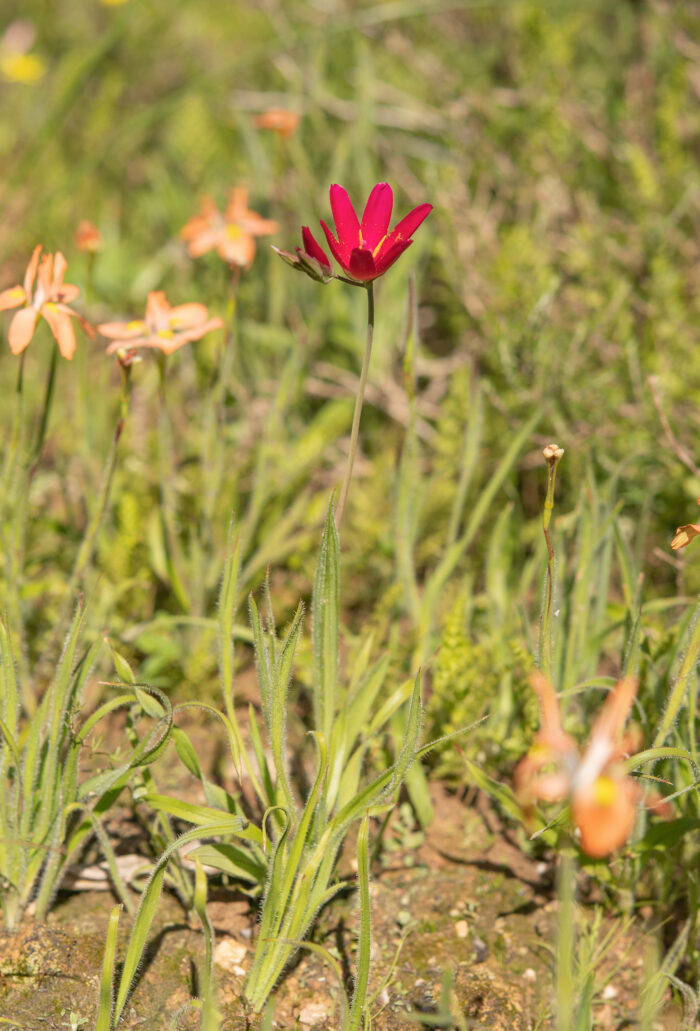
point(313, 1013)
point(229, 954)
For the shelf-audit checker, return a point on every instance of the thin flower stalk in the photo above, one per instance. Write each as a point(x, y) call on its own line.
point(553, 455)
point(213, 454)
point(357, 413)
point(87, 546)
point(365, 249)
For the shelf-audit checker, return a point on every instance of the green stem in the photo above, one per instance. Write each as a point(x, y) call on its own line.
point(553, 454)
point(45, 412)
point(566, 881)
point(354, 433)
point(364, 939)
point(17, 429)
point(213, 460)
point(87, 547)
point(168, 506)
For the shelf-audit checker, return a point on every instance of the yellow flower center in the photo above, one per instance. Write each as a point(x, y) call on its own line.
point(605, 791)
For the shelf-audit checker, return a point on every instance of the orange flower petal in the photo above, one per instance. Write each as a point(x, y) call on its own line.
point(205, 240)
point(22, 329)
point(237, 249)
point(30, 274)
point(604, 813)
point(44, 277)
point(12, 298)
point(684, 535)
point(62, 328)
point(551, 733)
point(616, 708)
point(122, 330)
point(87, 237)
point(186, 316)
point(59, 270)
point(157, 310)
point(279, 120)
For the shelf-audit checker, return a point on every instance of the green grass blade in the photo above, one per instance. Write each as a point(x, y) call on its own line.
point(364, 941)
point(106, 996)
point(324, 620)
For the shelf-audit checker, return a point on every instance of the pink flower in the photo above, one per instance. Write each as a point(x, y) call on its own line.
point(164, 328)
point(48, 299)
point(366, 249)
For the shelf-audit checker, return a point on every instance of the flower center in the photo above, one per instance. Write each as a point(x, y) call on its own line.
point(604, 791)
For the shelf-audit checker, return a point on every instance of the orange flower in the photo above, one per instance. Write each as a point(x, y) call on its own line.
point(232, 234)
point(278, 120)
point(47, 299)
point(87, 237)
point(603, 796)
point(163, 328)
point(685, 534)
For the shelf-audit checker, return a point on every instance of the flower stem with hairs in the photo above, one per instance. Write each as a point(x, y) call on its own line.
point(354, 433)
point(553, 454)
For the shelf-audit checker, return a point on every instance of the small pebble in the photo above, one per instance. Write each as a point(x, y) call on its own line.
point(610, 991)
point(313, 1013)
point(462, 929)
point(229, 954)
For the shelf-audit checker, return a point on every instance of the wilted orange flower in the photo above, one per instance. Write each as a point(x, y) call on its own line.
point(603, 796)
point(164, 328)
point(87, 237)
point(231, 234)
point(47, 299)
point(278, 120)
point(685, 534)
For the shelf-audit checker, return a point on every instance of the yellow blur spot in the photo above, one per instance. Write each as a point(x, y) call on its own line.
point(605, 791)
point(25, 68)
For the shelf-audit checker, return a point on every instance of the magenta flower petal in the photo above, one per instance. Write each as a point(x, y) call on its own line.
point(408, 225)
point(338, 250)
point(377, 215)
point(361, 265)
point(347, 225)
point(363, 250)
point(313, 249)
point(388, 255)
